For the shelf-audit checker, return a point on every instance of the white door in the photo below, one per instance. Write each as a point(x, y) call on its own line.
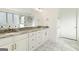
point(68, 23)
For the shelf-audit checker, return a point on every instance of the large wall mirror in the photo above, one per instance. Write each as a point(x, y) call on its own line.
point(11, 20)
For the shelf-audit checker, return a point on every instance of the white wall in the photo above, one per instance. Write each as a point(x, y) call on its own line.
point(49, 18)
point(68, 22)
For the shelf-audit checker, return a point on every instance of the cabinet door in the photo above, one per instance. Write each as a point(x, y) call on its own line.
point(21, 45)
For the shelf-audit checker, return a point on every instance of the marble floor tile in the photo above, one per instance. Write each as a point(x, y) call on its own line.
point(60, 44)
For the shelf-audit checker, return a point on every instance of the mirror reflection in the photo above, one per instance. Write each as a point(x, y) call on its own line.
point(11, 20)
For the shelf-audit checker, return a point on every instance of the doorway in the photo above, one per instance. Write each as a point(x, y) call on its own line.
point(68, 23)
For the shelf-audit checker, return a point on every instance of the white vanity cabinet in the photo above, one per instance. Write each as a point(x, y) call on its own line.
point(25, 42)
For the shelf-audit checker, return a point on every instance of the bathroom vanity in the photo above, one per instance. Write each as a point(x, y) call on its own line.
point(24, 40)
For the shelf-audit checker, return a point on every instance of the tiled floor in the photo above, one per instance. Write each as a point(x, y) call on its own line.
point(60, 44)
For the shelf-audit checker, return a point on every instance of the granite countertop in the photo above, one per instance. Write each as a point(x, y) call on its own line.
point(19, 31)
